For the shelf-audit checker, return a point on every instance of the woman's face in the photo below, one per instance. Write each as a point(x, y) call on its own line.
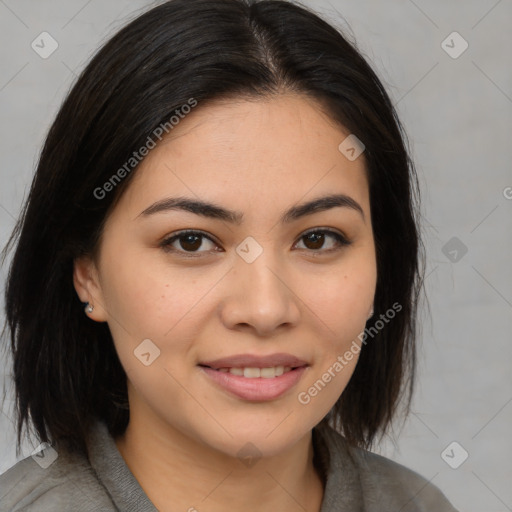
point(276, 289)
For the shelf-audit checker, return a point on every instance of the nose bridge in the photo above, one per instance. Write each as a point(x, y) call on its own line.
point(261, 297)
point(257, 267)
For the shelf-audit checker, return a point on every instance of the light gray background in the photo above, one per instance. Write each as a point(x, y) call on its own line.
point(458, 113)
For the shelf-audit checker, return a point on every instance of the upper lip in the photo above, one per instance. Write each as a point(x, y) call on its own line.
point(253, 361)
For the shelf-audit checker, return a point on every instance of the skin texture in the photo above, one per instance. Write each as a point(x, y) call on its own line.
point(259, 157)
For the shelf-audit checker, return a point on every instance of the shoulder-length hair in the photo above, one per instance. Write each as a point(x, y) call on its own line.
point(65, 367)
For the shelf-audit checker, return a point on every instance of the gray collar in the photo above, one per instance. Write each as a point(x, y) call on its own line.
point(114, 474)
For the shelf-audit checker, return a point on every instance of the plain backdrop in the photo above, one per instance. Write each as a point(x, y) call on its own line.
point(456, 105)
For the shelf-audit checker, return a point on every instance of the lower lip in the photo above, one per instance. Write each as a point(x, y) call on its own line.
point(259, 388)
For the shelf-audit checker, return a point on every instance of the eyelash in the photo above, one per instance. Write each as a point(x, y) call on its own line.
point(166, 244)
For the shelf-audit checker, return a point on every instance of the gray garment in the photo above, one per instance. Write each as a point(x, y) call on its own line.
point(356, 481)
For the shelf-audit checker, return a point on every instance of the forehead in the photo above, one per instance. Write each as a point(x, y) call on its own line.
point(277, 150)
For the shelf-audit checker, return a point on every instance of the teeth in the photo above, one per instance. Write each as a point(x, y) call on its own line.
point(251, 373)
point(267, 373)
point(254, 373)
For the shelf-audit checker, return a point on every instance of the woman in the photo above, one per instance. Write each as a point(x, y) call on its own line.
point(227, 192)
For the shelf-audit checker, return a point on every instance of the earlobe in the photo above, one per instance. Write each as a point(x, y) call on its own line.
point(88, 289)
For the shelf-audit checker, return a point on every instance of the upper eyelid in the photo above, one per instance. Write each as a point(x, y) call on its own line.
point(189, 232)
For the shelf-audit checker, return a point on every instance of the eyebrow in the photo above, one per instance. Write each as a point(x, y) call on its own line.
point(213, 211)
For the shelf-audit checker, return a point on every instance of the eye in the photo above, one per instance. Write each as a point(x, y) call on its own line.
point(315, 239)
point(189, 240)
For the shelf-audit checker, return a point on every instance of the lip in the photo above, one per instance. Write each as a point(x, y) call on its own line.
point(253, 361)
point(258, 389)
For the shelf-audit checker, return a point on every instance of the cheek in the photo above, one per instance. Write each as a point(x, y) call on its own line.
point(148, 296)
point(341, 301)
point(342, 298)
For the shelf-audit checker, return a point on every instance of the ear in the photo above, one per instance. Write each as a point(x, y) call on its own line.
point(88, 287)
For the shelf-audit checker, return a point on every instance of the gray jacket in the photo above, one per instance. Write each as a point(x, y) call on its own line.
point(356, 481)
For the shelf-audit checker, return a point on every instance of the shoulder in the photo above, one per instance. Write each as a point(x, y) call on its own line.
point(385, 484)
point(51, 481)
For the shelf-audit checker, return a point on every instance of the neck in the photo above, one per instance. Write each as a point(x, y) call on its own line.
point(179, 473)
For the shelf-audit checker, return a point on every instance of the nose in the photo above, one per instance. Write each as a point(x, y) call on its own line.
point(261, 297)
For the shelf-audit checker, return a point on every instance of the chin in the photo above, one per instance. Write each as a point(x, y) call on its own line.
point(260, 438)
point(251, 446)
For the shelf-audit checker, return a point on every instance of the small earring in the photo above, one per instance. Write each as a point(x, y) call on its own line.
point(89, 308)
point(371, 314)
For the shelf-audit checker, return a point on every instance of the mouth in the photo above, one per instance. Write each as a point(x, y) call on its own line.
point(249, 372)
point(256, 362)
point(254, 378)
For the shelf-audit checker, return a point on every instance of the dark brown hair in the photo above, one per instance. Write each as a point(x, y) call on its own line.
point(66, 370)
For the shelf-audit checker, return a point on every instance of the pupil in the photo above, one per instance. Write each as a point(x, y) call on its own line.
point(317, 239)
point(188, 239)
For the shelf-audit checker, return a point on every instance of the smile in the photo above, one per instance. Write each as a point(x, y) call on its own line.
point(254, 373)
point(254, 384)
